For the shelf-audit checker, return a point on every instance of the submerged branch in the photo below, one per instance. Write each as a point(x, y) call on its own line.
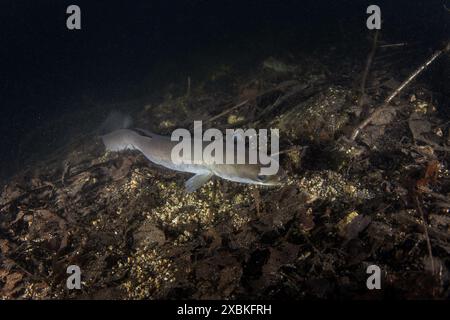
point(367, 69)
point(402, 86)
point(427, 236)
point(394, 45)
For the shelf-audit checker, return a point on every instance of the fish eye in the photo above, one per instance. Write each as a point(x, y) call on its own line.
point(261, 177)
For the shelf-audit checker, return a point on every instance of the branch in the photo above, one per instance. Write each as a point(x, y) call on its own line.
point(404, 84)
point(367, 69)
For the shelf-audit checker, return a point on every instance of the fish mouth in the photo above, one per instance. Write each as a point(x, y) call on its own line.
point(277, 180)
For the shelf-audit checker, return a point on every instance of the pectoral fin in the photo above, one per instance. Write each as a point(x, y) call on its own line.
point(197, 181)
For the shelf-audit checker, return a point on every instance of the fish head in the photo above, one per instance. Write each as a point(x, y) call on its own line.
point(249, 173)
point(273, 179)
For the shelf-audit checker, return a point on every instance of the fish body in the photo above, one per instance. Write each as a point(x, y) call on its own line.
point(158, 149)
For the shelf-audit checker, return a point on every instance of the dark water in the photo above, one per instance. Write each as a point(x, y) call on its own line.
point(131, 50)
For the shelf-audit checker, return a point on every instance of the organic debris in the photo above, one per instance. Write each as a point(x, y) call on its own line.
point(135, 233)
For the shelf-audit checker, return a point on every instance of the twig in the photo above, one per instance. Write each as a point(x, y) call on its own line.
point(367, 69)
point(282, 88)
point(394, 45)
point(402, 86)
point(226, 111)
point(188, 90)
point(66, 170)
point(427, 236)
point(294, 148)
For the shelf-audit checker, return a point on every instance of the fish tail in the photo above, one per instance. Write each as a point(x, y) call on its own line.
point(118, 140)
point(116, 120)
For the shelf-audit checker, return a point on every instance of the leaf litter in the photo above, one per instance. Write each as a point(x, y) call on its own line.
point(134, 232)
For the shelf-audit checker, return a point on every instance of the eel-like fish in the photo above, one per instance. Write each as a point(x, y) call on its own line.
point(158, 150)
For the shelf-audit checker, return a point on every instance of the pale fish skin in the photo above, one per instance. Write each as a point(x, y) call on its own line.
point(158, 150)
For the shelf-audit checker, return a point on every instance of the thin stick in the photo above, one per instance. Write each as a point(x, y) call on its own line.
point(393, 45)
point(241, 104)
point(226, 111)
point(188, 90)
point(405, 83)
point(294, 148)
point(367, 69)
point(427, 236)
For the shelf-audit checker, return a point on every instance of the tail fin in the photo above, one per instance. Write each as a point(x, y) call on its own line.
point(118, 140)
point(116, 120)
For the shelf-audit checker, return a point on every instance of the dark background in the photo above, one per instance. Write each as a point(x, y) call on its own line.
point(132, 49)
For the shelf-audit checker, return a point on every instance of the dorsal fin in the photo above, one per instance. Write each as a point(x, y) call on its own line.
point(143, 132)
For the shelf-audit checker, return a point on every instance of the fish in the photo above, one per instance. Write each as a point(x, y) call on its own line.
point(157, 149)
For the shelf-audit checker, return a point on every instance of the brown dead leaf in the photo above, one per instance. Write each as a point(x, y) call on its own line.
point(230, 277)
point(355, 227)
point(10, 193)
point(123, 170)
point(4, 246)
point(213, 237)
point(12, 281)
point(48, 225)
point(306, 220)
point(19, 217)
point(248, 94)
point(284, 254)
point(148, 234)
point(429, 177)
